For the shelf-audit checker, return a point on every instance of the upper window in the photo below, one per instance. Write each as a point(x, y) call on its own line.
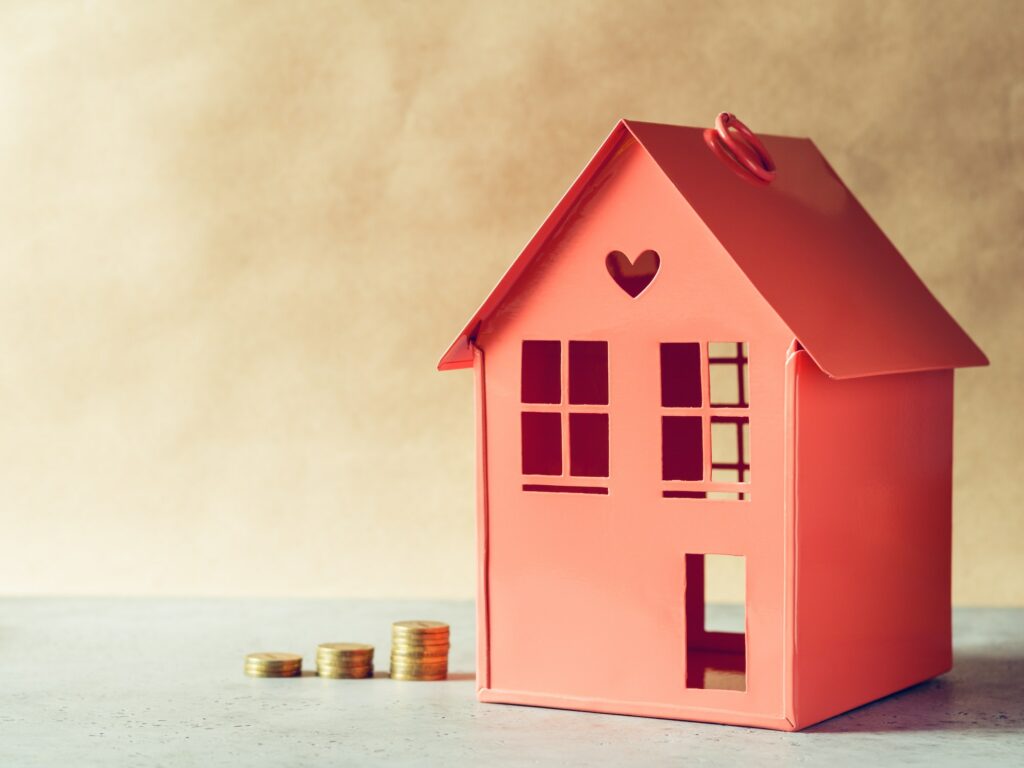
point(727, 374)
point(542, 372)
point(565, 425)
point(705, 422)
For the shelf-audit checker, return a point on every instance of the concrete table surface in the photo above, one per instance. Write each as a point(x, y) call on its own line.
point(141, 682)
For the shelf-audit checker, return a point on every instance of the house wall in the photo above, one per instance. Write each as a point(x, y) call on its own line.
point(872, 573)
point(585, 593)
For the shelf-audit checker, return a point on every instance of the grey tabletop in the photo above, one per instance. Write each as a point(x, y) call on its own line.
point(159, 682)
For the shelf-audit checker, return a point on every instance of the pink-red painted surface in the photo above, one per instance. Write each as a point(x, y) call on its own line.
point(873, 522)
point(583, 596)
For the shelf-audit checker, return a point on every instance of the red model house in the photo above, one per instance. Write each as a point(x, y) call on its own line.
point(709, 348)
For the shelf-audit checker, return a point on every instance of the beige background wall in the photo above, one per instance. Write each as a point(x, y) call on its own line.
point(235, 237)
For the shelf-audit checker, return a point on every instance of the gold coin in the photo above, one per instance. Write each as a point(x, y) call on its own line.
point(419, 659)
point(420, 650)
point(273, 667)
point(356, 673)
point(343, 661)
point(410, 643)
point(265, 675)
point(403, 676)
point(332, 665)
point(273, 672)
point(419, 656)
point(344, 667)
point(360, 661)
point(346, 676)
point(418, 668)
point(273, 657)
point(264, 665)
point(420, 639)
point(420, 627)
point(261, 667)
point(422, 662)
point(346, 648)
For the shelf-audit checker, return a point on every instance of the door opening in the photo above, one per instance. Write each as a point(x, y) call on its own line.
point(716, 649)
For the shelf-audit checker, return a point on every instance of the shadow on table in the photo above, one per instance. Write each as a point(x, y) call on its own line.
point(983, 692)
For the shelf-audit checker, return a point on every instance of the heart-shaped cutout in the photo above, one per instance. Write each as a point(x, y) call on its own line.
point(633, 276)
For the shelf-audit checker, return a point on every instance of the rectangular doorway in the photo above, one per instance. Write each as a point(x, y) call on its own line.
point(716, 597)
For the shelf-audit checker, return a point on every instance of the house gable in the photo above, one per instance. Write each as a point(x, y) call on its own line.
point(628, 212)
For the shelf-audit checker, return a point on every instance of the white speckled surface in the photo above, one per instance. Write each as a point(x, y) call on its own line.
point(88, 682)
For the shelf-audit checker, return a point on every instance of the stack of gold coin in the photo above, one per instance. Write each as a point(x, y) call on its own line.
point(419, 650)
point(346, 660)
point(273, 665)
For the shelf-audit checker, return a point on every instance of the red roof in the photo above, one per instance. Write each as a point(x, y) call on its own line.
point(805, 243)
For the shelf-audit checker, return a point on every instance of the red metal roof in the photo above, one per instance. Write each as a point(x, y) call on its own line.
point(804, 242)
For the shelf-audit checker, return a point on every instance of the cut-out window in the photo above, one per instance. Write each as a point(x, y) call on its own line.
point(716, 622)
point(587, 489)
point(682, 448)
point(569, 400)
point(588, 372)
point(705, 437)
point(727, 374)
point(542, 372)
point(680, 375)
point(730, 449)
point(588, 444)
point(685, 494)
point(542, 443)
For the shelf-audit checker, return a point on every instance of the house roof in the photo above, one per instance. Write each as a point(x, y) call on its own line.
point(805, 243)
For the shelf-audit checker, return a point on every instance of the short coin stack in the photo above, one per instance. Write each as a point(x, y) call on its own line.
point(273, 664)
point(419, 650)
point(344, 660)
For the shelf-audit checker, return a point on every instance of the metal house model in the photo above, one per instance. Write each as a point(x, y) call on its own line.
point(710, 349)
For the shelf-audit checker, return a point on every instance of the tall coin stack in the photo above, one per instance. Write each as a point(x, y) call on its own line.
point(344, 660)
point(419, 650)
point(273, 665)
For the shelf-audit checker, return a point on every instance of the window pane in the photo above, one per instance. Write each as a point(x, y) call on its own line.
point(542, 443)
point(588, 444)
point(682, 451)
point(724, 442)
point(588, 372)
point(542, 372)
point(730, 449)
point(680, 375)
point(724, 384)
point(727, 373)
point(719, 475)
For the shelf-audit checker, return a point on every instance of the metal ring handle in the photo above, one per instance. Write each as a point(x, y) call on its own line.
point(747, 149)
